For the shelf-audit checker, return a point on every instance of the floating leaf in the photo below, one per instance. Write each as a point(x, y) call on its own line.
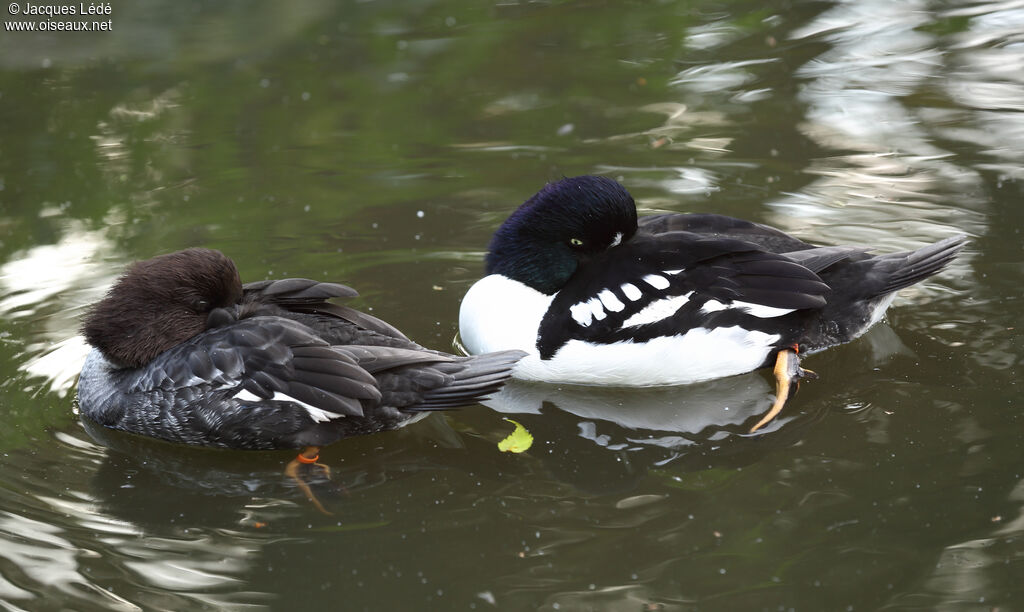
point(517, 441)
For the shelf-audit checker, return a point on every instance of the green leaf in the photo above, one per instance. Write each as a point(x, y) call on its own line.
point(517, 441)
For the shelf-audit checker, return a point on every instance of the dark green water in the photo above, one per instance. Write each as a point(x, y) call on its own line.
point(380, 144)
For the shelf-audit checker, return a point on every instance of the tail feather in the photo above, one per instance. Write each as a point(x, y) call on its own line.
point(903, 269)
point(473, 379)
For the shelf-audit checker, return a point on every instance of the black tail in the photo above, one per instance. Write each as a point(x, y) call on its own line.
point(898, 270)
point(472, 379)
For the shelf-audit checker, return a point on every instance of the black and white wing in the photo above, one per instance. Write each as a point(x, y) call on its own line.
point(669, 283)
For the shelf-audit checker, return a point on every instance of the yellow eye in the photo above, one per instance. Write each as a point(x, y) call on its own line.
point(575, 242)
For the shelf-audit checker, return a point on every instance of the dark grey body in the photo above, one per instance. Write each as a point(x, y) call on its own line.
point(284, 368)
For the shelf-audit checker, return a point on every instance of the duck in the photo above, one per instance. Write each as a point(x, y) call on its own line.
point(184, 352)
point(596, 295)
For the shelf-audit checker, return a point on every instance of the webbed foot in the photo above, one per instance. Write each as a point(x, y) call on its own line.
point(787, 379)
point(309, 456)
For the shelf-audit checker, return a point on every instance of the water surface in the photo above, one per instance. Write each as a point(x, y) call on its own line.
point(380, 144)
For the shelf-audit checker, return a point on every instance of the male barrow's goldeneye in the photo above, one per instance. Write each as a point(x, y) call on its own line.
point(184, 352)
point(597, 297)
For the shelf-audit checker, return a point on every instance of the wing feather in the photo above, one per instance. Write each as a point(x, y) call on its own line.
point(275, 358)
point(688, 271)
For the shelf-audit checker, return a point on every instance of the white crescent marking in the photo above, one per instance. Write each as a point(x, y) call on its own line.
point(610, 302)
point(631, 292)
point(658, 310)
point(658, 282)
point(319, 415)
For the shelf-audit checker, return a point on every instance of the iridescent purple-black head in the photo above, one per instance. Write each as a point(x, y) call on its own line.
point(564, 224)
point(160, 303)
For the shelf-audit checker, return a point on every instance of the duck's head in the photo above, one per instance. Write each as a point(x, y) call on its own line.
point(160, 303)
point(566, 223)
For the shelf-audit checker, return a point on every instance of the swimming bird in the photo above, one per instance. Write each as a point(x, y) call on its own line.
point(183, 351)
point(596, 296)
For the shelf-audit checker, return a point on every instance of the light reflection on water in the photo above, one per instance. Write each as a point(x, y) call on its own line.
point(883, 485)
point(52, 284)
point(75, 549)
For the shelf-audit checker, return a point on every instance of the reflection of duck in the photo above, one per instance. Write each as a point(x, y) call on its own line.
point(605, 439)
point(596, 297)
point(153, 483)
point(656, 415)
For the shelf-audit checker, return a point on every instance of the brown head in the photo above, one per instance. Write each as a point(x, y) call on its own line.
point(160, 303)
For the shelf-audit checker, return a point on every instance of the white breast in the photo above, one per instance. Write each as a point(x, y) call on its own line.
point(499, 313)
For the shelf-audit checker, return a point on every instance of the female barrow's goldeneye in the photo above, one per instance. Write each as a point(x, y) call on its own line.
point(597, 297)
point(184, 352)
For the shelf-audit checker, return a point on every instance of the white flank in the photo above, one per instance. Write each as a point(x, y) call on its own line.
point(318, 415)
point(617, 240)
point(699, 354)
point(658, 310)
point(631, 292)
point(658, 282)
point(758, 310)
point(610, 302)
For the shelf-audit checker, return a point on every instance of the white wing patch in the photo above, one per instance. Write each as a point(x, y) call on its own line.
point(712, 306)
point(610, 302)
point(581, 313)
point(758, 310)
point(317, 414)
point(631, 292)
point(247, 396)
point(586, 312)
point(658, 310)
point(656, 281)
